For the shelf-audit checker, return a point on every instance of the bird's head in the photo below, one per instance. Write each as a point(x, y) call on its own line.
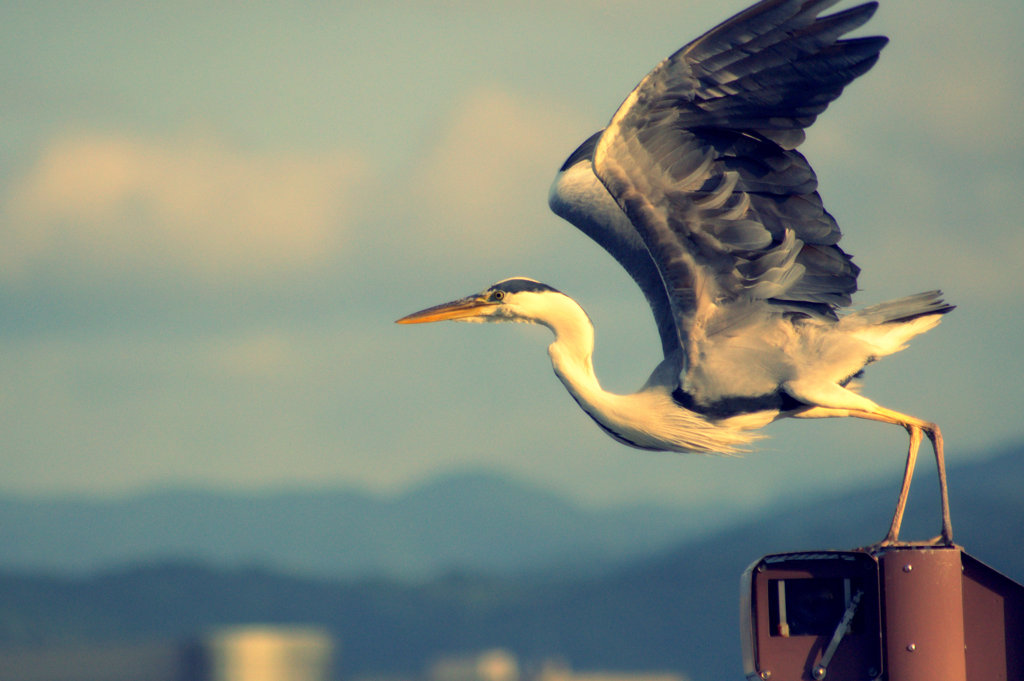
point(512, 300)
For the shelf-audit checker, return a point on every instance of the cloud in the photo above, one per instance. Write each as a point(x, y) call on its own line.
point(263, 356)
point(488, 172)
point(122, 205)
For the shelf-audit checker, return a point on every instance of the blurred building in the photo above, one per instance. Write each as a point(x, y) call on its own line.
point(500, 665)
point(553, 670)
point(489, 665)
point(264, 653)
point(249, 653)
point(153, 661)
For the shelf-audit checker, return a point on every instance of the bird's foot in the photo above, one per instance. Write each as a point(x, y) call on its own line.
point(946, 537)
point(879, 546)
point(891, 542)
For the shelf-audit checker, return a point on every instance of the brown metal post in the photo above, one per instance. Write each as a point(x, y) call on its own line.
point(923, 614)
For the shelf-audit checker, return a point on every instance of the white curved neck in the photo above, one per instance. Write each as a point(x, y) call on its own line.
point(572, 351)
point(648, 419)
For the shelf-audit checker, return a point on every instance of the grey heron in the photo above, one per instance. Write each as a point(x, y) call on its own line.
point(697, 189)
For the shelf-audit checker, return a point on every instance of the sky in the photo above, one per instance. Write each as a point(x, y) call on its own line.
point(212, 213)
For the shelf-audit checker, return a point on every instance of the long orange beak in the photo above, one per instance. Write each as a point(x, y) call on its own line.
point(457, 309)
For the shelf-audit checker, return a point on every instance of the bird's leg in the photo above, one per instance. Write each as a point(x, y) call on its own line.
point(908, 474)
point(935, 435)
point(911, 423)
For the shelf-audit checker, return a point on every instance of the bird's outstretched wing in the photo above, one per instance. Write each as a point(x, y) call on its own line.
point(701, 159)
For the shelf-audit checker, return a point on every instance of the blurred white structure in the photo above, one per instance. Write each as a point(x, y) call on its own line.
point(497, 664)
point(489, 665)
point(554, 670)
point(269, 653)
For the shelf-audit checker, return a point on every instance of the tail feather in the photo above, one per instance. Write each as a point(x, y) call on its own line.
point(903, 309)
point(888, 326)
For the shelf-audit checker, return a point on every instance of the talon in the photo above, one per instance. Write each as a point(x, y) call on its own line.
point(941, 540)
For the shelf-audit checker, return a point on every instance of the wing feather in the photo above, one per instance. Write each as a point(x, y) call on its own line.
point(701, 159)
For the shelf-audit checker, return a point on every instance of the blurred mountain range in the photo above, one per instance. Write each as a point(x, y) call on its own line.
point(673, 609)
point(474, 522)
point(471, 522)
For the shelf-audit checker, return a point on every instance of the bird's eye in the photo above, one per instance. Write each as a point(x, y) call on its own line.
point(497, 295)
